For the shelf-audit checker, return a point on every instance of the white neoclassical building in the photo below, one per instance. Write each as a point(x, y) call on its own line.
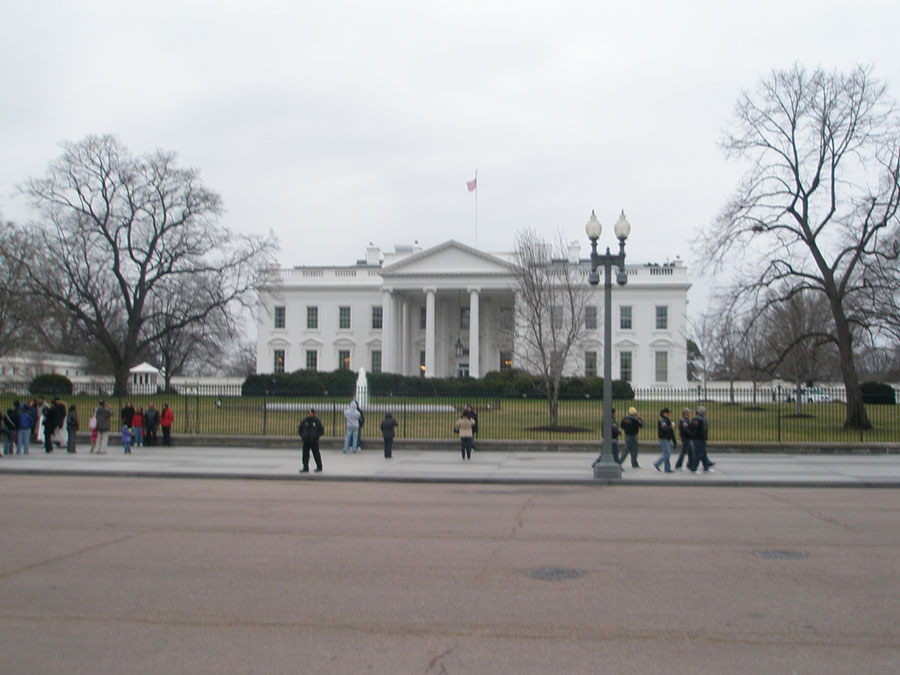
point(448, 311)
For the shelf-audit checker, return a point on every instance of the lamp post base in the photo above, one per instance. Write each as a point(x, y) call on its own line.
point(607, 468)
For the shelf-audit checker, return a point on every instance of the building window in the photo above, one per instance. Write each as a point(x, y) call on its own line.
point(590, 317)
point(376, 361)
point(278, 366)
point(422, 363)
point(377, 317)
point(505, 361)
point(422, 318)
point(312, 317)
point(344, 318)
point(506, 318)
point(625, 366)
point(625, 317)
point(312, 359)
point(279, 317)
point(590, 364)
point(344, 359)
point(556, 317)
point(662, 317)
point(662, 366)
point(464, 318)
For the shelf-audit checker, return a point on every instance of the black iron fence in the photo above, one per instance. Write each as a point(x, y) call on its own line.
point(736, 415)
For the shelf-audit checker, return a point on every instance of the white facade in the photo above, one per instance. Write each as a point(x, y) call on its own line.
point(406, 312)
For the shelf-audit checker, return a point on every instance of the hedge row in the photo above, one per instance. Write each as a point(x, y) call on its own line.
point(507, 383)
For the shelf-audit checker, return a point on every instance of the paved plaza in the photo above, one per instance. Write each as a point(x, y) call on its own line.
point(734, 469)
point(110, 574)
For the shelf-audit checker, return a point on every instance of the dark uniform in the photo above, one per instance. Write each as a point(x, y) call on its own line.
point(310, 430)
point(684, 432)
point(699, 435)
point(631, 425)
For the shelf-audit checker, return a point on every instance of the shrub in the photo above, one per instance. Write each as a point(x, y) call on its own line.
point(51, 384)
point(878, 393)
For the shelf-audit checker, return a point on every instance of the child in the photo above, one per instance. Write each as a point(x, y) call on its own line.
point(126, 438)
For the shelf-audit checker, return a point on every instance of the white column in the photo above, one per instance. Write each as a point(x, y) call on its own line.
point(474, 341)
point(405, 347)
point(387, 332)
point(429, 332)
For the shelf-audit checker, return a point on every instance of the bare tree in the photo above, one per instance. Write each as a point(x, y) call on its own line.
point(118, 231)
point(17, 309)
point(824, 154)
point(550, 298)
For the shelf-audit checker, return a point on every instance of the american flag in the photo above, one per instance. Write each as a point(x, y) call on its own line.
point(472, 184)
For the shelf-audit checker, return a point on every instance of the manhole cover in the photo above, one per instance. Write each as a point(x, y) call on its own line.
point(554, 573)
point(780, 555)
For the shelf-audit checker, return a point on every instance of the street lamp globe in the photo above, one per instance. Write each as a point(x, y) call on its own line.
point(622, 228)
point(593, 227)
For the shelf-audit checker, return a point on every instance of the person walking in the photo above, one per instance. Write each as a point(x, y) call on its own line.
point(631, 425)
point(104, 418)
point(10, 427)
point(615, 441)
point(151, 423)
point(388, 424)
point(27, 418)
point(166, 418)
point(137, 426)
point(311, 430)
point(351, 436)
point(699, 436)
point(470, 412)
point(71, 428)
point(465, 425)
point(665, 431)
point(684, 433)
point(126, 439)
point(362, 421)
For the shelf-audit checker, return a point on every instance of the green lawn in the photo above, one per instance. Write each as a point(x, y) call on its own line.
point(504, 418)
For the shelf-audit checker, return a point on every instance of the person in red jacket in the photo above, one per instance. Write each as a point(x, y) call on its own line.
point(165, 421)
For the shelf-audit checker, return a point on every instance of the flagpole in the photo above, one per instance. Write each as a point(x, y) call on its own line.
point(476, 208)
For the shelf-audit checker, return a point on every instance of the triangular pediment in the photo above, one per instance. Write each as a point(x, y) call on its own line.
point(451, 257)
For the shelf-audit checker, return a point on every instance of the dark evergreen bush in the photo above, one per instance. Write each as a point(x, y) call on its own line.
point(878, 393)
point(51, 384)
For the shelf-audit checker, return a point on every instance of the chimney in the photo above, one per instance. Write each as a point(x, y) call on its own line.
point(574, 252)
point(373, 254)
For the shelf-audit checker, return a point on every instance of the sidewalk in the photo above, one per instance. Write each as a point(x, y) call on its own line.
point(561, 468)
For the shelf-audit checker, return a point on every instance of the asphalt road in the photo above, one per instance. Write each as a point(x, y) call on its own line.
point(115, 575)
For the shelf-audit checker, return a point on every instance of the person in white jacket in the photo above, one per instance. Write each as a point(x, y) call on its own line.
point(351, 438)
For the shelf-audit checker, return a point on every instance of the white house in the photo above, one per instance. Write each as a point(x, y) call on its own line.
point(447, 311)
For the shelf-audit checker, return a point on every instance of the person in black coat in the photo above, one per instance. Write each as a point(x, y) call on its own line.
point(388, 424)
point(631, 425)
point(684, 432)
point(310, 430)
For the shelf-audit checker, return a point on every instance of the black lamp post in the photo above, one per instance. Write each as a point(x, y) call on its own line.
point(607, 467)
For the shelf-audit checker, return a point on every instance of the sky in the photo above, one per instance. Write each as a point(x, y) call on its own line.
point(340, 123)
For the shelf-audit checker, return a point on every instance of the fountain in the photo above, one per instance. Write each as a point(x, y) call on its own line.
point(362, 389)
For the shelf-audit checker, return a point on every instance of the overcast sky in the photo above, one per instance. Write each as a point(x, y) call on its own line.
point(345, 122)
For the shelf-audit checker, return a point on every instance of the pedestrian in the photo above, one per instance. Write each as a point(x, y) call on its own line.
point(470, 411)
point(388, 424)
point(50, 423)
point(614, 427)
point(351, 435)
point(464, 426)
point(27, 417)
point(71, 428)
point(126, 439)
point(10, 428)
point(137, 425)
point(699, 436)
point(311, 430)
point(60, 437)
point(41, 407)
point(127, 413)
point(362, 421)
point(631, 425)
point(665, 431)
point(684, 432)
point(104, 419)
point(166, 418)
point(92, 425)
point(151, 423)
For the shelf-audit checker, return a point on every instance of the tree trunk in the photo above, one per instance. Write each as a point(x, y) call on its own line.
point(121, 375)
point(857, 417)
